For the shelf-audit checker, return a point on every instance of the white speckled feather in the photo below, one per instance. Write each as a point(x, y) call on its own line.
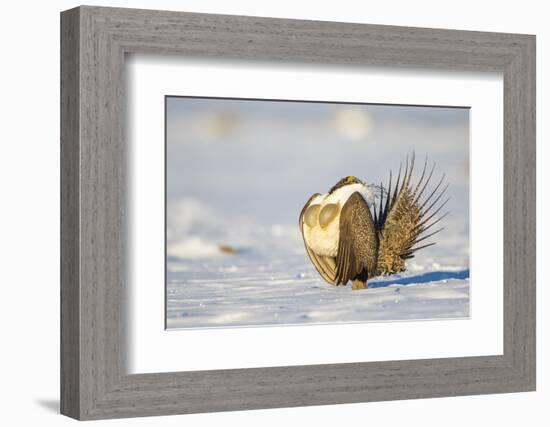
point(324, 241)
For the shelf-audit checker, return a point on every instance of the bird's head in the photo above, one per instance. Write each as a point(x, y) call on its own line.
point(348, 180)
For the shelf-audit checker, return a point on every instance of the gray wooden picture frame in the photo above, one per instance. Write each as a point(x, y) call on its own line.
point(94, 41)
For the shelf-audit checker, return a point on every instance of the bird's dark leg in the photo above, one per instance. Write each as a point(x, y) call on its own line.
point(360, 282)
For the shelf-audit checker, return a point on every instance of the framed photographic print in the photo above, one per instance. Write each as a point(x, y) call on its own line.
point(262, 213)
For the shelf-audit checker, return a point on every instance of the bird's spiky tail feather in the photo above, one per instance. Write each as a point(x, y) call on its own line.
point(403, 217)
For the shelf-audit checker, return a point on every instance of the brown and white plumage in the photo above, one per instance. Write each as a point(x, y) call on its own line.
point(349, 237)
point(358, 243)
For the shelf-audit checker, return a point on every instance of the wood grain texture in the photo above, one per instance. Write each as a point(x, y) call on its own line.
point(94, 382)
point(70, 221)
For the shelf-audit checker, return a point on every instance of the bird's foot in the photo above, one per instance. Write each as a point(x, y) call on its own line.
point(358, 284)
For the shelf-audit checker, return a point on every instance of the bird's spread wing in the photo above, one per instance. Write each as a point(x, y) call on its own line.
point(358, 243)
point(404, 216)
point(325, 265)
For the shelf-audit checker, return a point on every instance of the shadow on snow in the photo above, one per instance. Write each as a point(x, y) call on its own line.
point(432, 276)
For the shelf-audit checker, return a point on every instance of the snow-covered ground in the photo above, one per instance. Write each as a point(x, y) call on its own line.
point(239, 182)
point(268, 279)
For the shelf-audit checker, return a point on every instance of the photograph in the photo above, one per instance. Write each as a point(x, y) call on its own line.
point(286, 214)
point(296, 212)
